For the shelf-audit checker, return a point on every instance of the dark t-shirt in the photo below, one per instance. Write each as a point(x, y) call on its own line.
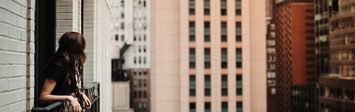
point(56, 72)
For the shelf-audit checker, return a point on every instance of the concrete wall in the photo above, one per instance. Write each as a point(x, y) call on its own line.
point(16, 55)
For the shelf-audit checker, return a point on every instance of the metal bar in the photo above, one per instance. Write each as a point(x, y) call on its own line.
point(47, 108)
point(95, 84)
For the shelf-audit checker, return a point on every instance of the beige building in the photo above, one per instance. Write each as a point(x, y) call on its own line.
point(196, 56)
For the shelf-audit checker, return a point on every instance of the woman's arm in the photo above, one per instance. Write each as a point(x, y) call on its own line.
point(47, 98)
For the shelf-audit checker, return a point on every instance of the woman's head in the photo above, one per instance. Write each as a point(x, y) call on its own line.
point(71, 56)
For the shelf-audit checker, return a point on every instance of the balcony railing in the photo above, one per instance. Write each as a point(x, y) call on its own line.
point(92, 92)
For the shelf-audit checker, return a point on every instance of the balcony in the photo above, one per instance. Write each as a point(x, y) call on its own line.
point(92, 92)
point(337, 81)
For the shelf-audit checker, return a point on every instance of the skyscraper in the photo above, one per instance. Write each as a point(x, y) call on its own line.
point(208, 55)
point(295, 54)
point(336, 88)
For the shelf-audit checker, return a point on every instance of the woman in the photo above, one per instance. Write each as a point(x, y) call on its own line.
point(65, 71)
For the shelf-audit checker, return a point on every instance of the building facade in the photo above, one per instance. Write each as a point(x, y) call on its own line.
point(271, 57)
point(131, 30)
point(29, 33)
point(295, 49)
point(208, 55)
point(336, 90)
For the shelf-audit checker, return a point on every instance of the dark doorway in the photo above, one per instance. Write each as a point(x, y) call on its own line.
point(44, 41)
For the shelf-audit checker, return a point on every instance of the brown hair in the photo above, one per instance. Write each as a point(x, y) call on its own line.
point(71, 57)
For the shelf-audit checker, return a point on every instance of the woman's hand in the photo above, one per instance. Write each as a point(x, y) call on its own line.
point(75, 104)
point(87, 101)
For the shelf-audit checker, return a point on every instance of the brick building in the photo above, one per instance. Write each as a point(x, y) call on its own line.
point(29, 30)
point(295, 51)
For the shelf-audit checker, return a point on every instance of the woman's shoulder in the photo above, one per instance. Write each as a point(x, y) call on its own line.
point(53, 67)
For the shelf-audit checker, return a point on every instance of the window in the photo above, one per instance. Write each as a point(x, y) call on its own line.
point(139, 83)
point(239, 58)
point(134, 60)
point(224, 85)
point(192, 58)
point(192, 38)
point(192, 85)
point(207, 85)
point(206, 11)
point(144, 48)
point(207, 58)
point(139, 105)
point(144, 60)
point(192, 11)
point(238, 12)
point(135, 94)
point(273, 91)
point(239, 106)
point(224, 106)
point(122, 3)
point(122, 26)
point(144, 104)
point(271, 75)
point(122, 14)
point(207, 30)
point(140, 60)
point(207, 38)
point(116, 37)
point(223, 12)
point(208, 107)
point(139, 48)
point(238, 38)
point(144, 37)
point(192, 107)
point(271, 83)
point(271, 66)
point(144, 83)
point(135, 83)
point(144, 3)
point(239, 82)
point(239, 91)
point(224, 57)
point(223, 38)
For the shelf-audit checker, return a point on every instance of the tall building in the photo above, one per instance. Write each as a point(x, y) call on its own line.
point(131, 30)
point(295, 51)
point(271, 57)
point(208, 55)
point(29, 33)
point(336, 88)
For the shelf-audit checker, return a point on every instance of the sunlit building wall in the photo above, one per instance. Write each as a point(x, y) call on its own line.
point(208, 55)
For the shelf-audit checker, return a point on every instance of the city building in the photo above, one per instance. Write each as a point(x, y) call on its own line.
point(208, 55)
point(336, 92)
point(271, 57)
point(29, 30)
point(295, 51)
point(131, 30)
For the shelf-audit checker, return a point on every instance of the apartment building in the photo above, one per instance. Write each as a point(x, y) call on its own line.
point(336, 88)
point(208, 55)
point(131, 30)
point(271, 57)
point(28, 38)
point(295, 51)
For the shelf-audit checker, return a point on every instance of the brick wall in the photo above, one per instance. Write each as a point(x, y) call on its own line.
point(16, 55)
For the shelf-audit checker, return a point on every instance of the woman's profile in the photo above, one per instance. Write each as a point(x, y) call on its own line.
point(64, 72)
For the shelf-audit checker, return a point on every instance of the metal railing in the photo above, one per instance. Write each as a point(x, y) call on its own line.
point(92, 92)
